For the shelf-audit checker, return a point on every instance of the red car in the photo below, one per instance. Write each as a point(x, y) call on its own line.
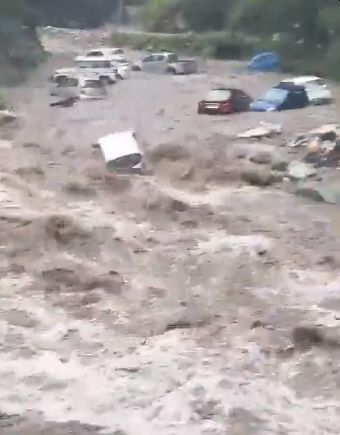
point(224, 101)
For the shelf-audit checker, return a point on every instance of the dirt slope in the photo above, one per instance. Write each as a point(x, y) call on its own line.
point(174, 303)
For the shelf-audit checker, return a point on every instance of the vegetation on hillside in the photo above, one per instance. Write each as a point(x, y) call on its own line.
point(73, 13)
point(20, 48)
point(306, 33)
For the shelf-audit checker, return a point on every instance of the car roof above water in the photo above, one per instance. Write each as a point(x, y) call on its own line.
point(300, 80)
point(288, 86)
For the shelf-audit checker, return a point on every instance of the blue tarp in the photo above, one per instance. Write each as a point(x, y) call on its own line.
point(264, 62)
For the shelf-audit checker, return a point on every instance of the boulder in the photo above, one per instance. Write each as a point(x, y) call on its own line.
point(257, 177)
point(261, 158)
point(309, 192)
point(328, 192)
point(280, 165)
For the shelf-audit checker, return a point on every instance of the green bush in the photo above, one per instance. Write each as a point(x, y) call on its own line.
point(332, 60)
point(161, 15)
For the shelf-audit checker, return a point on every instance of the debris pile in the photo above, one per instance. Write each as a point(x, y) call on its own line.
point(265, 129)
point(322, 146)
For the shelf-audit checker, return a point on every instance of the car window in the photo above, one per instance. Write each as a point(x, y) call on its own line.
point(95, 53)
point(66, 82)
point(319, 82)
point(218, 95)
point(172, 58)
point(148, 59)
point(159, 57)
point(276, 95)
point(94, 64)
point(92, 84)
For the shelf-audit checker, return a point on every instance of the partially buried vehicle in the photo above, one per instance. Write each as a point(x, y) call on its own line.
point(265, 61)
point(103, 67)
point(64, 78)
point(111, 52)
point(92, 88)
point(65, 88)
point(224, 101)
point(281, 97)
point(68, 85)
point(166, 63)
point(316, 88)
point(115, 55)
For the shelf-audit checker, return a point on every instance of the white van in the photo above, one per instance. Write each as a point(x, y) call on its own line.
point(102, 67)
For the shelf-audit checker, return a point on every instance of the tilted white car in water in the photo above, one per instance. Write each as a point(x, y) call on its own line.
point(316, 88)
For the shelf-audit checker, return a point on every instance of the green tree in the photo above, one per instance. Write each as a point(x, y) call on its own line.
point(161, 15)
point(202, 15)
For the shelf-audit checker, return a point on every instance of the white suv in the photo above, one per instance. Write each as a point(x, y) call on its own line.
point(316, 88)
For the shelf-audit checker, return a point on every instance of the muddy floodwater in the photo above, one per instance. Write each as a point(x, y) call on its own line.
point(181, 302)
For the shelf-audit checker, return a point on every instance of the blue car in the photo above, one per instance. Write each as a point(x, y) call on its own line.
point(264, 62)
point(281, 97)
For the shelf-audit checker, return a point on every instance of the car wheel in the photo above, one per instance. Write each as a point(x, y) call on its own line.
point(136, 68)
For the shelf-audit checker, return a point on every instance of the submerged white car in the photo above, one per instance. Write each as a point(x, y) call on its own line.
point(108, 52)
point(103, 67)
point(84, 86)
point(316, 88)
point(92, 88)
point(123, 67)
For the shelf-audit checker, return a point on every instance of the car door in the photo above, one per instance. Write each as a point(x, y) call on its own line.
point(160, 63)
point(299, 98)
point(245, 101)
point(148, 63)
point(236, 101)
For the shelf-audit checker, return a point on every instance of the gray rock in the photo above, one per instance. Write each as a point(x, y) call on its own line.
point(257, 177)
point(261, 158)
point(280, 165)
point(324, 192)
point(300, 170)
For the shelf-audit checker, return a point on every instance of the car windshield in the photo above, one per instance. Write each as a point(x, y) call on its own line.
point(92, 84)
point(275, 95)
point(94, 64)
point(66, 82)
point(218, 95)
point(95, 54)
point(319, 82)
